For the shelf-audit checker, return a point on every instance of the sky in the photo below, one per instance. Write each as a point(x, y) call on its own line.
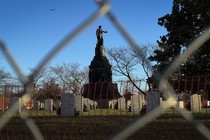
point(30, 29)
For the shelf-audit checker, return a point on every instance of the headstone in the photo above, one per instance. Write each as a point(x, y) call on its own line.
point(37, 105)
point(78, 103)
point(121, 103)
point(136, 103)
point(93, 104)
point(153, 100)
point(161, 99)
point(48, 104)
point(14, 100)
point(181, 104)
point(195, 102)
point(67, 105)
point(41, 105)
point(208, 104)
point(163, 104)
point(128, 104)
point(86, 103)
point(112, 103)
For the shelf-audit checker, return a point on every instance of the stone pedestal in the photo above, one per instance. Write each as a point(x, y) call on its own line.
point(101, 92)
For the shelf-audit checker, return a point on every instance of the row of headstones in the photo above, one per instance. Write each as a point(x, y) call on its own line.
point(153, 100)
point(47, 105)
point(135, 104)
point(195, 103)
point(71, 103)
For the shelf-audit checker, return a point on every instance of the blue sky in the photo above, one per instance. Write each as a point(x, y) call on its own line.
point(30, 29)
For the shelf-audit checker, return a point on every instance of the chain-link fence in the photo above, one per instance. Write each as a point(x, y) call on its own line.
point(134, 126)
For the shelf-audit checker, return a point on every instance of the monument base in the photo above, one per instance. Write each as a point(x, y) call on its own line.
point(103, 103)
point(102, 93)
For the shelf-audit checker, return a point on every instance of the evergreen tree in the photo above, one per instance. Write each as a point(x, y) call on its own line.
point(188, 20)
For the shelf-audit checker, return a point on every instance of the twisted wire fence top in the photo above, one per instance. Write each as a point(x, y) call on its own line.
point(165, 87)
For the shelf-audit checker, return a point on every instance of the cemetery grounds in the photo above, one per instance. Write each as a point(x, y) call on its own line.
point(100, 124)
point(103, 123)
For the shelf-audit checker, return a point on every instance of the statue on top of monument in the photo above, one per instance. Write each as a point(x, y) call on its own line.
point(99, 35)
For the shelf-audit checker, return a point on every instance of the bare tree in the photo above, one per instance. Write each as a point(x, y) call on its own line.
point(39, 78)
point(48, 76)
point(9, 84)
point(142, 53)
point(7, 80)
point(4, 76)
point(46, 85)
point(71, 75)
point(124, 63)
point(125, 60)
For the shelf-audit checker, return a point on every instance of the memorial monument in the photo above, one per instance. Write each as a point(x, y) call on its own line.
point(100, 87)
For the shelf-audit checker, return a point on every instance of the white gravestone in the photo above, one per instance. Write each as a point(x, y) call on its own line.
point(86, 102)
point(93, 104)
point(78, 103)
point(136, 103)
point(195, 102)
point(15, 100)
point(67, 105)
point(163, 104)
point(48, 104)
point(121, 103)
point(208, 104)
point(112, 103)
point(181, 104)
point(153, 100)
point(41, 105)
point(128, 104)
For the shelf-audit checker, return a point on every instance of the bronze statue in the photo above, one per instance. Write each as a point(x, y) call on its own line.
point(99, 35)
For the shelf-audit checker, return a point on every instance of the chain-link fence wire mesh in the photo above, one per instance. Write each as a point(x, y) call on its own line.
point(165, 87)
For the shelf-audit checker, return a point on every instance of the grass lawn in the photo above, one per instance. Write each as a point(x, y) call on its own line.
point(103, 123)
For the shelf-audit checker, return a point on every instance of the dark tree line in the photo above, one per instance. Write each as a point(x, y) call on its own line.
point(188, 20)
